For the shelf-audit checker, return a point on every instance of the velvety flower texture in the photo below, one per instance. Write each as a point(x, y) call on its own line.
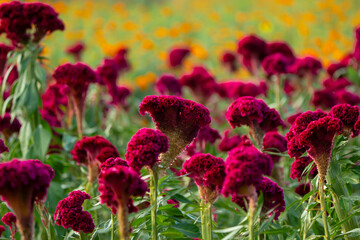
point(117, 184)
point(177, 56)
point(299, 165)
point(208, 173)
point(229, 60)
point(108, 72)
point(234, 90)
point(274, 142)
point(227, 143)
point(76, 50)
point(291, 119)
point(3, 148)
point(4, 50)
point(121, 59)
point(280, 47)
point(305, 66)
point(168, 85)
point(334, 67)
point(2, 229)
point(19, 19)
point(253, 50)
point(8, 127)
point(345, 96)
point(206, 135)
point(338, 84)
point(303, 189)
point(145, 147)
point(275, 64)
point(179, 119)
point(119, 95)
point(111, 162)
point(324, 99)
point(9, 219)
point(69, 213)
point(348, 115)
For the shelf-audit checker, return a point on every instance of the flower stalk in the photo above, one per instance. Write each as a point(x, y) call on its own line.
point(252, 208)
point(206, 220)
point(122, 215)
point(323, 206)
point(153, 200)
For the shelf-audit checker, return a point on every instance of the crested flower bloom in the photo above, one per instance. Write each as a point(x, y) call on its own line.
point(305, 66)
point(9, 219)
point(229, 60)
point(338, 84)
point(255, 114)
point(335, 67)
point(275, 64)
point(324, 99)
point(234, 90)
point(227, 143)
point(206, 135)
point(168, 85)
point(344, 96)
point(274, 142)
point(108, 72)
point(24, 22)
point(302, 189)
point(145, 147)
point(299, 165)
point(201, 82)
point(119, 95)
point(77, 77)
point(177, 56)
point(291, 119)
point(76, 50)
point(289, 89)
point(3, 148)
point(4, 50)
point(111, 162)
point(348, 115)
point(8, 127)
point(122, 61)
point(69, 213)
point(208, 173)
point(280, 47)
point(2, 229)
point(91, 152)
point(179, 119)
point(252, 49)
point(23, 183)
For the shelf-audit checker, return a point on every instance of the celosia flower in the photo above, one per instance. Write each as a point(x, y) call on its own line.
point(3, 148)
point(234, 90)
point(348, 115)
point(76, 50)
point(280, 47)
point(291, 119)
point(179, 119)
point(275, 64)
point(2, 229)
point(177, 56)
point(173, 201)
point(229, 60)
point(324, 98)
point(305, 66)
point(334, 67)
point(338, 84)
point(168, 85)
point(344, 96)
point(22, 183)
point(227, 143)
point(119, 95)
point(91, 152)
point(288, 87)
point(4, 50)
point(69, 213)
point(253, 50)
point(111, 162)
point(303, 189)
point(121, 59)
point(24, 22)
point(201, 82)
point(298, 167)
point(8, 127)
point(145, 147)
point(206, 135)
point(274, 142)
point(208, 173)
point(108, 72)
point(9, 219)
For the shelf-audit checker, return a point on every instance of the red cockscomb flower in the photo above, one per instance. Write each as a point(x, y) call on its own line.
point(76, 50)
point(302, 189)
point(4, 51)
point(291, 119)
point(274, 142)
point(299, 165)
point(145, 147)
point(348, 115)
point(2, 229)
point(280, 47)
point(121, 59)
point(335, 67)
point(227, 143)
point(69, 213)
point(253, 50)
point(168, 85)
point(324, 98)
point(9, 219)
point(305, 66)
point(108, 72)
point(338, 84)
point(275, 64)
point(22, 183)
point(119, 96)
point(234, 90)
point(177, 56)
point(344, 96)
point(8, 126)
point(229, 60)
point(3, 148)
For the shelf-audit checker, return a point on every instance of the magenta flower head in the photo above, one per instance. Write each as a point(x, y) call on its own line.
point(24, 22)
point(274, 142)
point(111, 162)
point(9, 219)
point(324, 99)
point(119, 96)
point(177, 56)
point(291, 119)
point(338, 84)
point(2, 229)
point(234, 90)
point(345, 96)
point(3, 147)
point(275, 64)
point(23, 183)
point(91, 152)
point(122, 61)
point(76, 50)
point(179, 119)
point(201, 82)
point(302, 189)
point(108, 72)
point(69, 213)
point(298, 167)
point(306, 66)
point(229, 60)
point(4, 50)
point(206, 135)
point(8, 127)
point(168, 85)
point(208, 173)
point(227, 143)
point(145, 147)
point(280, 47)
point(348, 115)
point(253, 50)
point(334, 67)
point(255, 114)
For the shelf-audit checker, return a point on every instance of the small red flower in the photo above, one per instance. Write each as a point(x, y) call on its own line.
point(177, 56)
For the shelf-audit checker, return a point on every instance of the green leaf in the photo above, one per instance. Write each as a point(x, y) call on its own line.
point(25, 137)
point(42, 140)
point(188, 229)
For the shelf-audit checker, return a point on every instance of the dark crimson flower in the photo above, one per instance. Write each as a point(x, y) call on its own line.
point(345, 96)
point(91, 152)
point(338, 84)
point(275, 64)
point(8, 126)
point(348, 59)
point(24, 22)
point(69, 213)
point(289, 89)
point(179, 119)
point(229, 60)
point(168, 85)
point(291, 119)
point(177, 56)
point(108, 72)
point(119, 95)
point(324, 98)
point(253, 50)
point(227, 143)
point(145, 147)
point(9, 219)
point(305, 66)
point(4, 50)
point(303, 189)
point(111, 162)
point(173, 201)
point(206, 135)
point(2, 229)
point(299, 165)
point(121, 59)
point(280, 47)
point(22, 183)
point(234, 90)
point(208, 173)
point(274, 142)
point(76, 50)
point(334, 67)
point(3, 148)
point(348, 115)
point(201, 82)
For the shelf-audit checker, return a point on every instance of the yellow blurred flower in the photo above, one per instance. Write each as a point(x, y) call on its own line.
point(199, 52)
point(129, 26)
point(166, 11)
point(161, 32)
point(144, 81)
point(147, 44)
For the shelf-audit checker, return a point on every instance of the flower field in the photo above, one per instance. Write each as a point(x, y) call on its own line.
point(180, 120)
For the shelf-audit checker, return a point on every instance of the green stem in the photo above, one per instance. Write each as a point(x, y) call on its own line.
point(82, 235)
point(323, 206)
point(153, 200)
point(112, 227)
point(122, 214)
point(252, 208)
point(206, 220)
point(277, 93)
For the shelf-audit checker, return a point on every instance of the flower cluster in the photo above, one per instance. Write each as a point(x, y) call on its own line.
point(168, 85)
point(9, 219)
point(177, 56)
point(274, 142)
point(298, 167)
point(234, 90)
point(227, 143)
point(9, 126)
point(76, 50)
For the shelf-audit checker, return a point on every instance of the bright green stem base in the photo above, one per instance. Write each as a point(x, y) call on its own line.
point(206, 220)
point(112, 227)
point(323, 207)
point(153, 200)
point(252, 209)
